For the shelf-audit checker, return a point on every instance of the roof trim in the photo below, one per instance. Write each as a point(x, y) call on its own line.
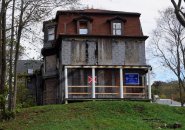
point(95, 12)
point(104, 36)
point(83, 18)
point(117, 18)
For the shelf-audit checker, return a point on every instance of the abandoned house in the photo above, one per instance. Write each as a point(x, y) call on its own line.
point(94, 54)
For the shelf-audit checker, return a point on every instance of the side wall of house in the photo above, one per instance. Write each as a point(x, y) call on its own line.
point(50, 95)
point(51, 85)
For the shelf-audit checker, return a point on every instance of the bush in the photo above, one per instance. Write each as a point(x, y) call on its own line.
point(7, 115)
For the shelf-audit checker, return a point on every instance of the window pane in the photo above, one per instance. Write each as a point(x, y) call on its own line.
point(83, 31)
point(51, 30)
point(118, 25)
point(118, 32)
point(114, 25)
point(114, 32)
point(51, 37)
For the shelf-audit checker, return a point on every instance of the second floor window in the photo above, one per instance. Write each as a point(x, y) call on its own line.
point(83, 27)
point(116, 28)
point(51, 34)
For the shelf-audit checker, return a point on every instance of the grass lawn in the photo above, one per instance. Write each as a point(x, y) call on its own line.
point(98, 115)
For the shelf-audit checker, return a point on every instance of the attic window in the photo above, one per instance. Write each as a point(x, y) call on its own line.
point(51, 33)
point(117, 25)
point(116, 28)
point(83, 27)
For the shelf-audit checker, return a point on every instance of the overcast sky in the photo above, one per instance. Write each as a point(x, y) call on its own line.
point(148, 9)
point(149, 13)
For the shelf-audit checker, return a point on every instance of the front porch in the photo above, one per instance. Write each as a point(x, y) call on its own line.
point(107, 82)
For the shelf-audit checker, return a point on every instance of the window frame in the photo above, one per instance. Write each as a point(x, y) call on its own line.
point(51, 33)
point(114, 30)
point(78, 26)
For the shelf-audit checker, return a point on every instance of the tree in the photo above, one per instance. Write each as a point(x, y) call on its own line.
point(13, 29)
point(29, 13)
point(168, 45)
point(180, 14)
point(10, 59)
point(4, 5)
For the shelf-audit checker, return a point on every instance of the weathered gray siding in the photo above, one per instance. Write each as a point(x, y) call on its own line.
point(118, 52)
point(103, 51)
point(50, 63)
point(92, 58)
point(66, 52)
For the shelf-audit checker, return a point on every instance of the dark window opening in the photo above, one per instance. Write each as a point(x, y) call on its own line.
point(83, 27)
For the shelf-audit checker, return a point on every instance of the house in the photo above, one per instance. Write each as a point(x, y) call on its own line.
point(94, 54)
point(29, 82)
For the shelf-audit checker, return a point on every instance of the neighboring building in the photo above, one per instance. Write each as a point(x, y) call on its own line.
point(29, 81)
point(94, 54)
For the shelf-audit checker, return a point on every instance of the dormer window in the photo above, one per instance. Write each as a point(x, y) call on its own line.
point(117, 25)
point(116, 28)
point(51, 33)
point(83, 24)
point(83, 27)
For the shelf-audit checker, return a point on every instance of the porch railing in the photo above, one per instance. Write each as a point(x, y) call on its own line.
point(94, 91)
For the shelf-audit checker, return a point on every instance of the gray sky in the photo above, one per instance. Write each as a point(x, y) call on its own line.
point(149, 13)
point(148, 9)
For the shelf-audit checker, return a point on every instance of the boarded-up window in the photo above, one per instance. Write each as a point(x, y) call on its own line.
point(105, 52)
point(78, 52)
point(132, 53)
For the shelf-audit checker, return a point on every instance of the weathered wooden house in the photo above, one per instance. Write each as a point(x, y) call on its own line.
point(94, 54)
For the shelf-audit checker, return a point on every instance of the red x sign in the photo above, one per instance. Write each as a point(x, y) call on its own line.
point(90, 79)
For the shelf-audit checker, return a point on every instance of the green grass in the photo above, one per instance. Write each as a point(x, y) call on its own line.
point(97, 115)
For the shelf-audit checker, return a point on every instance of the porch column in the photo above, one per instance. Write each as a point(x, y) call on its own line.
point(149, 84)
point(66, 83)
point(93, 82)
point(121, 82)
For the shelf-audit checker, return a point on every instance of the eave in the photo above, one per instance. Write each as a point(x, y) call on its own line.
point(101, 36)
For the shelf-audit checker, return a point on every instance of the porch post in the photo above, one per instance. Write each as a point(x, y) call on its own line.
point(93, 82)
point(149, 84)
point(66, 83)
point(121, 82)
